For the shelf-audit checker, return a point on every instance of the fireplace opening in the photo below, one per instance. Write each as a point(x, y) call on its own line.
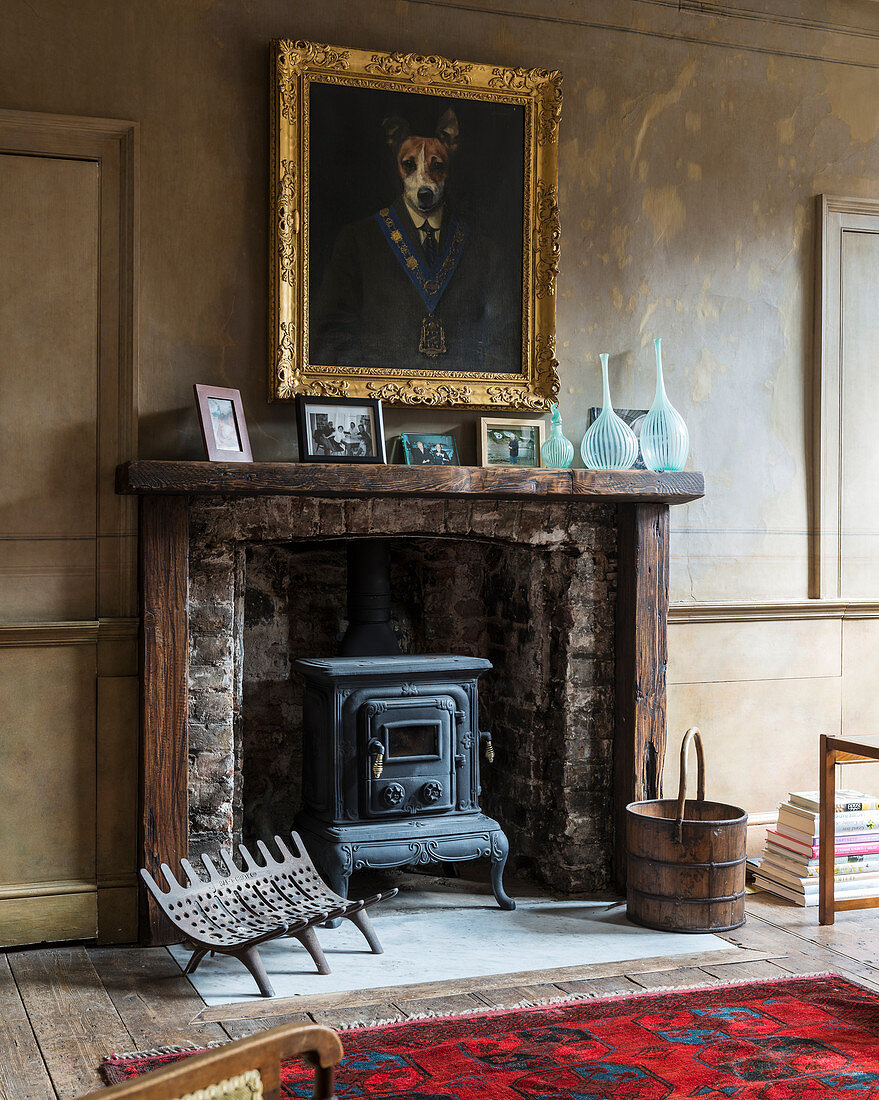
point(543, 617)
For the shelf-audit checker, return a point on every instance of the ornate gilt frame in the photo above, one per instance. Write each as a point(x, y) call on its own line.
point(294, 66)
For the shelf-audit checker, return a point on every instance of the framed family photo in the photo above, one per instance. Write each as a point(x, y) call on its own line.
point(510, 442)
point(415, 229)
point(223, 428)
point(421, 449)
point(336, 429)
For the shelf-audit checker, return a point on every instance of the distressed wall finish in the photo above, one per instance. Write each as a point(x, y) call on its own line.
point(687, 174)
point(694, 139)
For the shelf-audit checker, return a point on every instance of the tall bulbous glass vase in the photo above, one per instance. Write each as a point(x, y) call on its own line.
point(665, 440)
point(609, 443)
point(557, 452)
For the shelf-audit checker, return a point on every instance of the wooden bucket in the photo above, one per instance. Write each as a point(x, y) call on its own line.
point(686, 858)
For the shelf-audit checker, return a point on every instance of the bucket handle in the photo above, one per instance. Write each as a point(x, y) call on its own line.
point(691, 735)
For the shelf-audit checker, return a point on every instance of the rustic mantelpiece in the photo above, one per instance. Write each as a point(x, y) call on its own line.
point(166, 488)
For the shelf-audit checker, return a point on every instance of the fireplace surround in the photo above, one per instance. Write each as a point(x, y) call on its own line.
point(562, 575)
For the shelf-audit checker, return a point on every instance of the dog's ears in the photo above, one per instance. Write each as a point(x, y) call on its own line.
point(447, 130)
point(396, 131)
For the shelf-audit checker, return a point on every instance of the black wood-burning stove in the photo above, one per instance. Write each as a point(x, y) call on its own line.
point(391, 747)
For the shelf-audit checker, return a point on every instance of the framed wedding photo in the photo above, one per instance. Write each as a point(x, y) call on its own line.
point(510, 442)
point(223, 427)
point(336, 429)
point(431, 285)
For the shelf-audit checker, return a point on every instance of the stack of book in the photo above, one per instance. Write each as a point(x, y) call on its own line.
point(789, 864)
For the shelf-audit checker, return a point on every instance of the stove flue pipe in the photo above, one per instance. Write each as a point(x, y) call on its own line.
point(369, 601)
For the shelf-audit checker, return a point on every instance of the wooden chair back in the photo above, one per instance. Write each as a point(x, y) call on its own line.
point(263, 1052)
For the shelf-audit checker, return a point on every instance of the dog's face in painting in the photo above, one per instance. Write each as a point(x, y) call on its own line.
point(423, 163)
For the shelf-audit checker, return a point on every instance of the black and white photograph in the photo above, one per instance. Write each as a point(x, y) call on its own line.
point(333, 429)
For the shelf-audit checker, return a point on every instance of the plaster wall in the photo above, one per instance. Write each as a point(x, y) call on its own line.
point(694, 139)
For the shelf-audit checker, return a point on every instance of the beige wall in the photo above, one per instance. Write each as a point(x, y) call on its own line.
point(693, 143)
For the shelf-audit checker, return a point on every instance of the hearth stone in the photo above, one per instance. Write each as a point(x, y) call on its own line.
point(391, 766)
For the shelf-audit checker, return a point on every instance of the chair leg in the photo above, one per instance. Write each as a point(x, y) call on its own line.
point(361, 921)
point(197, 955)
point(323, 1083)
point(308, 939)
point(250, 957)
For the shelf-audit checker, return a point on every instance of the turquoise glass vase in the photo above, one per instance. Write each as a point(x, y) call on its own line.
point(665, 441)
point(557, 452)
point(609, 443)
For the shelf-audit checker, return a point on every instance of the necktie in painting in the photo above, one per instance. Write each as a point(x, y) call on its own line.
point(430, 243)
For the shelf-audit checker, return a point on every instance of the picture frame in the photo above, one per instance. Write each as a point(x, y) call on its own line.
point(423, 449)
point(469, 325)
point(523, 440)
point(340, 429)
point(222, 423)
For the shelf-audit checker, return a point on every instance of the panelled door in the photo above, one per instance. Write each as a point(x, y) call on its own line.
point(68, 687)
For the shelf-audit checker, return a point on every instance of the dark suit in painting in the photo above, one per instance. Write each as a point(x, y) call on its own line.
point(370, 314)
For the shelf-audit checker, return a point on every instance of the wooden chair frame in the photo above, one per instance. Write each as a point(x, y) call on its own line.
point(263, 1052)
point(835, 751)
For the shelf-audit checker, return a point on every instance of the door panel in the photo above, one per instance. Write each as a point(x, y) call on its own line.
point(68, 726)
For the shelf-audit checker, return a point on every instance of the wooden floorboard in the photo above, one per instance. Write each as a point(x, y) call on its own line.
point(153, 997)
point(63, 1009)
point(72, 1016)
point(23, 1073)
point(555, 976)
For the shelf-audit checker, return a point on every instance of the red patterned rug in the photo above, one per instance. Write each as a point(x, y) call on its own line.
point(779, 1040)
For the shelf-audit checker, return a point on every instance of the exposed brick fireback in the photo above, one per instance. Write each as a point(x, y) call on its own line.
point(529, 585)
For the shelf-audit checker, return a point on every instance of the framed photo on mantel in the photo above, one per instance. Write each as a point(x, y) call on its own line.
point(415, 229)
point(223, 427)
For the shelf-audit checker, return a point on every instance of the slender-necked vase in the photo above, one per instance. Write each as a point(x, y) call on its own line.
point(665, 441)
point(609, 443)
point(557, 452)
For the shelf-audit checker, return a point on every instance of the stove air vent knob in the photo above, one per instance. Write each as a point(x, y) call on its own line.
point(431, 792)
point(393, 794)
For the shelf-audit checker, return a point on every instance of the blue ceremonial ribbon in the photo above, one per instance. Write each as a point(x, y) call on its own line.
point(429, 282)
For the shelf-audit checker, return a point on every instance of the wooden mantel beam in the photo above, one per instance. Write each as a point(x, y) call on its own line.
point(327, 479)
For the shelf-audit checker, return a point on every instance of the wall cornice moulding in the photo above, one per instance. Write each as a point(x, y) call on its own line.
point(772, 611)
point(702, 22)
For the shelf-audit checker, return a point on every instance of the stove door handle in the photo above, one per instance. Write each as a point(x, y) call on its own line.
point(489, 747)
point(376, 750)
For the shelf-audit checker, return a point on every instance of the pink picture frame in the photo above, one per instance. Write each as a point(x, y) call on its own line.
point(223, 427)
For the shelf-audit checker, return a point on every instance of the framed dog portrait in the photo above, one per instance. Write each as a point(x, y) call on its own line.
point(414, 229)
point(339, 429)
point(223, 428)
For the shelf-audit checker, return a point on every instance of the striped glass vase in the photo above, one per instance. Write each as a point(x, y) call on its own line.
point(609, 443)
point(557, 452)
point(665, 441)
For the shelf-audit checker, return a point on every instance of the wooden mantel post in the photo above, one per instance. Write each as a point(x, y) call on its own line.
point(164, 773)
point(641, 661)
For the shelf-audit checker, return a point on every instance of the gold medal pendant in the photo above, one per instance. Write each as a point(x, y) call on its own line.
point(433, 337)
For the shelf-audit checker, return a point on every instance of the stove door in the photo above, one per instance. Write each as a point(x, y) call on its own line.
point(417, 769)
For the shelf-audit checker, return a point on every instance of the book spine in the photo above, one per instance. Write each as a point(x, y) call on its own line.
point(812, 807)
point(866, 847)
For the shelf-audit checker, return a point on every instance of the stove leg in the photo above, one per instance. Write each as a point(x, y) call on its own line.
point(310, 942)
point(361, 921)
point(500, 848)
